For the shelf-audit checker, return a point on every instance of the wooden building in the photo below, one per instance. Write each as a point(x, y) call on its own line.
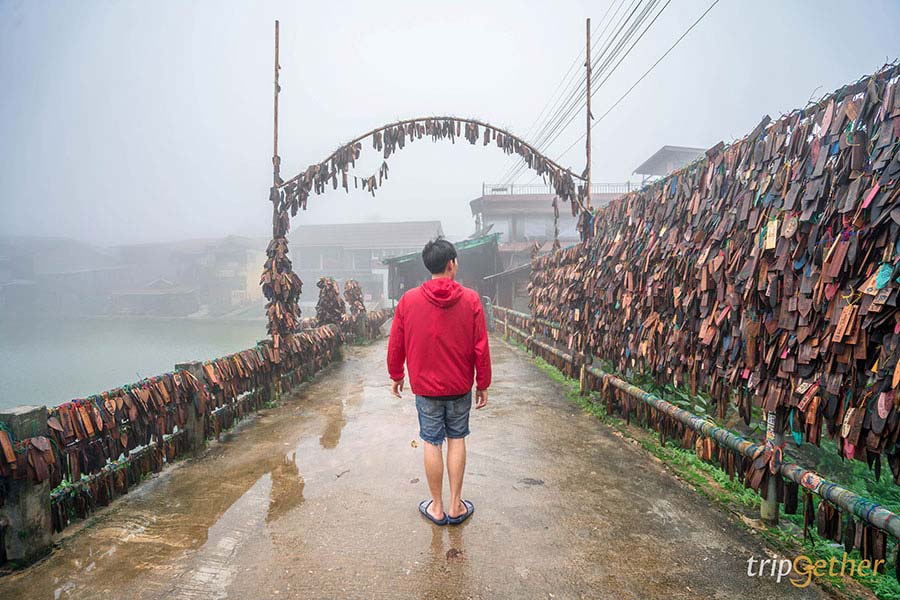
point(509, 288)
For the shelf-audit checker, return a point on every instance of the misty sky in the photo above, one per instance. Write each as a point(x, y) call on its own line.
point(142, 121)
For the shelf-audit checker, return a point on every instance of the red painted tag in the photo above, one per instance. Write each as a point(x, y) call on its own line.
point(871, 195)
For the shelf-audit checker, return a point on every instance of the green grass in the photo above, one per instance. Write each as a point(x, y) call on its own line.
point(715, 484)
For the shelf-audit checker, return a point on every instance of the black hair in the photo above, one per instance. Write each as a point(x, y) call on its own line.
point(437, 254)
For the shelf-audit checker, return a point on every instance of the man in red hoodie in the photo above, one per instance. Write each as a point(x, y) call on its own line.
point(439, 330)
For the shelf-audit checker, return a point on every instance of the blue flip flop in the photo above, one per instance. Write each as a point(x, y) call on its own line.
point(423, 508)
point(470, 508)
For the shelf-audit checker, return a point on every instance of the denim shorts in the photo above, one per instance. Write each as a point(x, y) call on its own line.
point(443, 418)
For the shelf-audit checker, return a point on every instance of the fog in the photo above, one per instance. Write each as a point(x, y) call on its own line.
point(136, 149)
point(136, 122)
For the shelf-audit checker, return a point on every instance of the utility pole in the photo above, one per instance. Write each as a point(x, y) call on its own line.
point(585, 358)
point(276, 160)
point(587, 144)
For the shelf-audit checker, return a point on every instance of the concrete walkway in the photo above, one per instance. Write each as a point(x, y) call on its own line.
point(317, 499)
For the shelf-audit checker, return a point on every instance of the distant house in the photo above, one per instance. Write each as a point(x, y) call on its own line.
point(224, 272)
point(158, 298)
point(355, 251)
point(64, 277)
point(161, 260)
point(57, 276)
point(523, 215)
point(478, 258)
point(668, 159)
point(510, 288)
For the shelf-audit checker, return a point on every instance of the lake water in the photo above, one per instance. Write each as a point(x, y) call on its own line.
point(50, 362)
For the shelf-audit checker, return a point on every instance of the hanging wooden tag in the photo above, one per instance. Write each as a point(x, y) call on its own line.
point(843, 323)
point(771, 234)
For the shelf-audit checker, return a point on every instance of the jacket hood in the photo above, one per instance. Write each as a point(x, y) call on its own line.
point(443, 292)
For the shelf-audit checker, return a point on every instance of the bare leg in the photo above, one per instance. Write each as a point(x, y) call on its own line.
point(456, 468)
point(434, 472)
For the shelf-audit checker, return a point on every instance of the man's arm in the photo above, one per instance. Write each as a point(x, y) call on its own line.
point(396, 351)
point(482, 357)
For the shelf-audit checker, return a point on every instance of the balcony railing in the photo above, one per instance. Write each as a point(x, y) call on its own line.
point(502, 189)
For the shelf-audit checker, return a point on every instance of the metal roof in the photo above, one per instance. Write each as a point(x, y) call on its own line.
point(512, 271)
point(516, 247)
point(529, 204)
point(668, 159)
point(469, 244)
point(402, 234)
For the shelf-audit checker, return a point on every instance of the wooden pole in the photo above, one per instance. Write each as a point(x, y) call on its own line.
point(587, 144)
point(276, 160)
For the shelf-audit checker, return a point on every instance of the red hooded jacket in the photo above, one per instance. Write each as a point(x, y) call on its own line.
point(439, 330)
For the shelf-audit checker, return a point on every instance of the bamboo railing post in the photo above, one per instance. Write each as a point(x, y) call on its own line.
point(768, 507)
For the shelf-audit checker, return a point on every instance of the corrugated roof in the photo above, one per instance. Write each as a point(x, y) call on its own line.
point(490, 238)
point(536, 203)
point(516, 247)
point(530, 203)
point(402, 234)
point(513, 271)
point(669, 156)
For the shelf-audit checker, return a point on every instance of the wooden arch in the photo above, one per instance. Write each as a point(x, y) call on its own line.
point(394, 136)
point(282, 287)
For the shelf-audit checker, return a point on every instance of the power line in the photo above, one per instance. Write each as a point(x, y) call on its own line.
point(556, 99)
point(550, 100)
point(613, 70)
point(609, 57)
point(620, 38)
point(642, 77)
point(552, 128)
point(541, 141)
point(578, 92)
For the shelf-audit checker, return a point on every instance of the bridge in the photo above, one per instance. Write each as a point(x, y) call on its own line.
point(717, 285)
point(317, 498)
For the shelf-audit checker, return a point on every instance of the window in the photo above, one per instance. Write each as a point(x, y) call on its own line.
point(331, 258)
point(501, 226)
point(537, 227)
point(362, 259)
point(309, 258)
point(567, 227)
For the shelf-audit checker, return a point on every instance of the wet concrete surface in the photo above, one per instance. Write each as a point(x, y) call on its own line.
point(318, 499)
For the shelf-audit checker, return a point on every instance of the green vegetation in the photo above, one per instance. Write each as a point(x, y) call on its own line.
point(715, 484)
point(853, 474)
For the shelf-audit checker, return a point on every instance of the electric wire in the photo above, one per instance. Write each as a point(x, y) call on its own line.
point(555, 101)
point(603, 80)
point(611, 71)
point(541, 140)
point(608, 53)
point(566, 79)
point(577, 94)
point(642, 77)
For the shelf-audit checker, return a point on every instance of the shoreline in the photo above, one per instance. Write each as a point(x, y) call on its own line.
point(148, 318)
